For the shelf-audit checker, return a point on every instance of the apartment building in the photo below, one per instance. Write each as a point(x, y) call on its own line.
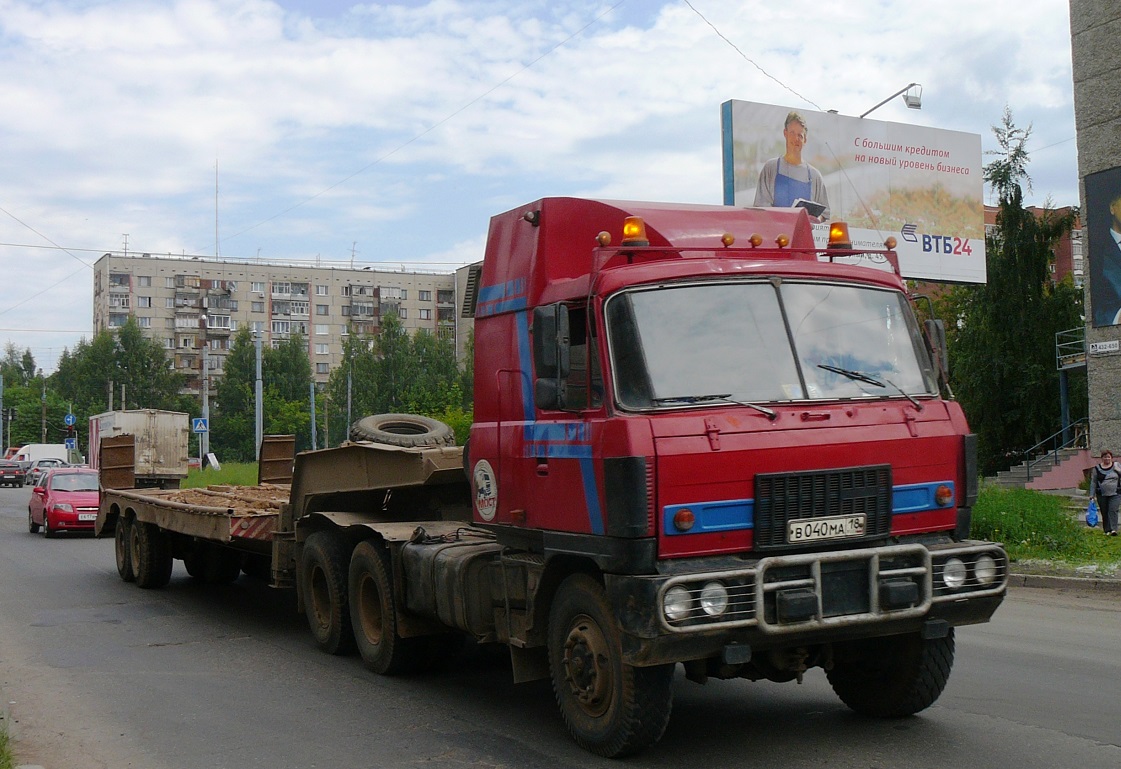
point(193, 306)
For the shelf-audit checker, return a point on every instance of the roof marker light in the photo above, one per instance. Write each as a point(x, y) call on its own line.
point(782, 241)
point(604, 238)
point(756, 240)
point(727, 239)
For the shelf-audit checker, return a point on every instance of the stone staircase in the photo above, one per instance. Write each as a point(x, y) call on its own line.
point(1064, 471)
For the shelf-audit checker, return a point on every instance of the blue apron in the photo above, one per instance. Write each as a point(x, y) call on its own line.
point(788, 189)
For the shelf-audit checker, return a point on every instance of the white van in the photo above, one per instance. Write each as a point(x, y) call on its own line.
point(32, 451)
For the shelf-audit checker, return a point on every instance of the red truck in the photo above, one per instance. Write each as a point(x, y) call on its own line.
point(698, 439)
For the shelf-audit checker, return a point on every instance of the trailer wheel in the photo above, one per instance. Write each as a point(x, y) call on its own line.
point(121, 550)
point(323, 568)
point(611, 708)
point(410, 430)
point(373, 609)
point(213, 564)
point(894, 676)
point(150, 555)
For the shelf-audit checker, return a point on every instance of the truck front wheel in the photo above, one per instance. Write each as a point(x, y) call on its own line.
point(150, 555)
point(121, 550)
point(894, 676)
point(373, 610)
point(323, 569)
point(611, 708)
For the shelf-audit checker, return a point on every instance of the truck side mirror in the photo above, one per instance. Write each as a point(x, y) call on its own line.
point(551, 341)
point(936, 341)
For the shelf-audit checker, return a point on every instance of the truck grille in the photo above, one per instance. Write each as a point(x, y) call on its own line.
point(784, 497)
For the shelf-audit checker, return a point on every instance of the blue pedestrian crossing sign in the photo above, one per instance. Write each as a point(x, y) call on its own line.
point(198, 425)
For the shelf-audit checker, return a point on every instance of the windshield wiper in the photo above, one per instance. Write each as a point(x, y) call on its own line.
point(860, 376)
point(727, 397)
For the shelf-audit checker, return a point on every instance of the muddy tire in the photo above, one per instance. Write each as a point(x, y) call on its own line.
point(892, 677)
point(409, 430)
point(323, 570)
point(611, 709)
point(122, 553)
point(373, 611)
point(150, 555)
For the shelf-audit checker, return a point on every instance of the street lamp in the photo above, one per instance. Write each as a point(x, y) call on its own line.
point(912, 100)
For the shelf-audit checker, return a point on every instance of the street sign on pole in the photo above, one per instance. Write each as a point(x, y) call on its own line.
point(199, 425)
point(69, 420)
point(71, 443)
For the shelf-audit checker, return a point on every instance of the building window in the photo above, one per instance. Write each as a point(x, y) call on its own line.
point(391, 292)
point(281, 327)
point(187, 321)
point(233, 325)
point(169, 302)
point(257, 326)
point(344, 330)
point(321, 349)
point(322, 329)
point(322, 368)
point(144, 281)
point(299, 308)
point(426, 314)
point(169, 282)
point(186, 342)
point(143, 301)
point(321, 291)
point(169, 322)
point(257, 286)
point(283, 288)
point(322, 309)
point(118, 279)
point(424, 296)
point(402, 313)
point(144, 322)
point(169, 343)
point(257, 306)
point(218, 321)
point(118, 300)
point(445, 296)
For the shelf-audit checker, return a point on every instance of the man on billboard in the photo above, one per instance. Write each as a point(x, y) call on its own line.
point(1103, 196)
point(788, 181)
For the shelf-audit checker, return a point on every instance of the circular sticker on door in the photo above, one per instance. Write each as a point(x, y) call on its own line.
point(486, 490)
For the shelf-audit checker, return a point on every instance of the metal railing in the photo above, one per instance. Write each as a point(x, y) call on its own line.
point(1077, 436)
point(1070, 348)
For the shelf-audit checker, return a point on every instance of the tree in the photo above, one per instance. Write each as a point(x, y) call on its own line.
point(1002, 334)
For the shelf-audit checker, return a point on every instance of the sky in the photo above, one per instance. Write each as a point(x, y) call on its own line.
point(388, 134)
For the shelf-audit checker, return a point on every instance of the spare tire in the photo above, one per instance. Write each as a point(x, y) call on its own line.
point(411, 430)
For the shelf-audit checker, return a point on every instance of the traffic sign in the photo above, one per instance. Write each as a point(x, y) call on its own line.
point(69, 420)
point(71, 443)
point(199, 425)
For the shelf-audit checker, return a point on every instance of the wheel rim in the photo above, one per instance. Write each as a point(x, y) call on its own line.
point(587, 666)
point(134, 544)
point(369, 607)
point(320, 596)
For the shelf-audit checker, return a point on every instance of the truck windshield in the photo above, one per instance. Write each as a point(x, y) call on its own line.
point(763, 342)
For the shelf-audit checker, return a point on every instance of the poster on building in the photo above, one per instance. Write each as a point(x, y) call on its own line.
point(1103, 233)
point(921, 185)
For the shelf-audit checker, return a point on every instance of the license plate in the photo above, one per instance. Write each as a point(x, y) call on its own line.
point(87, 516)
point(836, 527)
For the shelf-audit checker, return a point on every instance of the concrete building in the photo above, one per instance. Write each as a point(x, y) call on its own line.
point(1095, 27)
point(194, 306)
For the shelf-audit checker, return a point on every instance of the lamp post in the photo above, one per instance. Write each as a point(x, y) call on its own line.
point(912, 100)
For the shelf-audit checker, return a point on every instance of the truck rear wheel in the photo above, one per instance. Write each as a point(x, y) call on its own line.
point(150, 555)
point(373, 610)
point(402, 430)
point(121, 550)
point(213, 564)
point(894, 676)
point(611, 708)
point(323, 569)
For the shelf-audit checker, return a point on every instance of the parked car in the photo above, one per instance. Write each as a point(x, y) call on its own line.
point(39, 466)
point(65, 499)
point(11, 473)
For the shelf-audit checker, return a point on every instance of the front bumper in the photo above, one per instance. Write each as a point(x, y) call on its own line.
point(811, 598)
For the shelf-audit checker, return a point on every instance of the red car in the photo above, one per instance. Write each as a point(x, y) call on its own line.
point(65, 499)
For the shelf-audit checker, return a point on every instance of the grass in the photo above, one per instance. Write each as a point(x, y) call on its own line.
point(234, 473)
point(1037, 526)
point(7, 760)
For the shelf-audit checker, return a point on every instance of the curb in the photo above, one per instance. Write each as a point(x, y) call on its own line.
point(1065, 583)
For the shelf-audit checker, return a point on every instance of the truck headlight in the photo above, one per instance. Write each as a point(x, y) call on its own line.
point(954, 573)
point(985, 570)
point(714, 599)
point(676, 603)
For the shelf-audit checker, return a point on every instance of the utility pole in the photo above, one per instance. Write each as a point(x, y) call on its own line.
point(314, 437)
point(259, 407)
point(44, 420)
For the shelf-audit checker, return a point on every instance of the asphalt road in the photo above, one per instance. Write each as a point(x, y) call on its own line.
point(98, 673)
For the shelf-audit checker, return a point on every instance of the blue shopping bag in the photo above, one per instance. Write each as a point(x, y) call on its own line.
point(1092, 513)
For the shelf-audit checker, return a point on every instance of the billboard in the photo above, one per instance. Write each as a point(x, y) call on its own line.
point(1103, 234)
point(921, 185)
